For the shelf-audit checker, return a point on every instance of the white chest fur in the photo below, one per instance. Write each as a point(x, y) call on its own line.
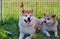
point(49, 28)
point(27, 30)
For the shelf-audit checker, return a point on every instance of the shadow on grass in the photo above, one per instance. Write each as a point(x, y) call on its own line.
point(59, 27)
point(10, 21)
point(11, 25)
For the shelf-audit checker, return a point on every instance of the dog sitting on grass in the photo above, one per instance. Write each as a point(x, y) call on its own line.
point(27, 24)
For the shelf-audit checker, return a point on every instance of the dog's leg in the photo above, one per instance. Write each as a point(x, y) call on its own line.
point(46, 32)
point(56, 33)
point(21, 36)
point(32, 35)
point(28, 37)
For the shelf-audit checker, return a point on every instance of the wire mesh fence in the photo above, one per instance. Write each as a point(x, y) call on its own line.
point(11, 8)
point(10, 12)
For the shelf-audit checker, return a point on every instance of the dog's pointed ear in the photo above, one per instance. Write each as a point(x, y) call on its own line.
point(22, 11)
point(54, 15)
point(44, 14)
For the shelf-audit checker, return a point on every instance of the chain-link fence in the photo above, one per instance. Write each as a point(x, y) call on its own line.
point(11, 8)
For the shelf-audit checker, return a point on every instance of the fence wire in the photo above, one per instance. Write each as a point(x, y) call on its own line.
point(11, 8)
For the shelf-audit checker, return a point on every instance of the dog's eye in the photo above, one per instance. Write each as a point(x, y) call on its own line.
point(48, 18)
point(44, 18)
point(26, 15)
point(30, 15)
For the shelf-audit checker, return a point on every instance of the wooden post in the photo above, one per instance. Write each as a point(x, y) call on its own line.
point(36, 8)
point(22, 5)
point(36, 16)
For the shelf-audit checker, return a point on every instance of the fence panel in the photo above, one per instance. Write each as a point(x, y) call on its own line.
point(12, 9)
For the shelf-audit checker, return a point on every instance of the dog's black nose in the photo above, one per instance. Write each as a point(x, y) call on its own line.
point(45, 21)
point(28, 18)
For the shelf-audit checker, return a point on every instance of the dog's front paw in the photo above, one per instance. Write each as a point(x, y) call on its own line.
point(57, 36)
point(28, 38)
point(20, 37)
point(48, 35)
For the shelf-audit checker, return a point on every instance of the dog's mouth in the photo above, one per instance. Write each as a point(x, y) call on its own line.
point(27, 21)
point(48, 23)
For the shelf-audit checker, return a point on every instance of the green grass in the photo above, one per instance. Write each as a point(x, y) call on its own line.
point(12, 11)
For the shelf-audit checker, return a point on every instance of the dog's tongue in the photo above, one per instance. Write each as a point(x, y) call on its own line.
point(28, 22)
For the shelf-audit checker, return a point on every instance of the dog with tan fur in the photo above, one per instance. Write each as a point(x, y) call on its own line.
point(27, 24)
point(49, 23)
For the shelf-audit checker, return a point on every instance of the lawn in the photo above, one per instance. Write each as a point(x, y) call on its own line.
point(11, 13)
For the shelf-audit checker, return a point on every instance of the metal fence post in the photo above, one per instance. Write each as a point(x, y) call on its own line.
point(1, 13)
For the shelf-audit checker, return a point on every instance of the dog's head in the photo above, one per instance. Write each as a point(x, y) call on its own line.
point(49, 19)
point(27, 16)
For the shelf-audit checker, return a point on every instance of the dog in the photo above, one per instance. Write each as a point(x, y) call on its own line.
point(28, 24)
point(49, 23)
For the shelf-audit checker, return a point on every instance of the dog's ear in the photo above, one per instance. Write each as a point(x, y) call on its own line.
point(44, 14)
point(32, 10)
point(54, 15)
point(22, 11)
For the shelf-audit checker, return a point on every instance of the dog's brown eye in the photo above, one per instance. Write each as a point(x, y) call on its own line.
point(48, 18)
point(44, 18)
point(26, 15)
point(30, 15)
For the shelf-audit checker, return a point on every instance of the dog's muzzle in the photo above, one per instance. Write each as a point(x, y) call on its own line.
point(28, 20)
point(44, 21)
